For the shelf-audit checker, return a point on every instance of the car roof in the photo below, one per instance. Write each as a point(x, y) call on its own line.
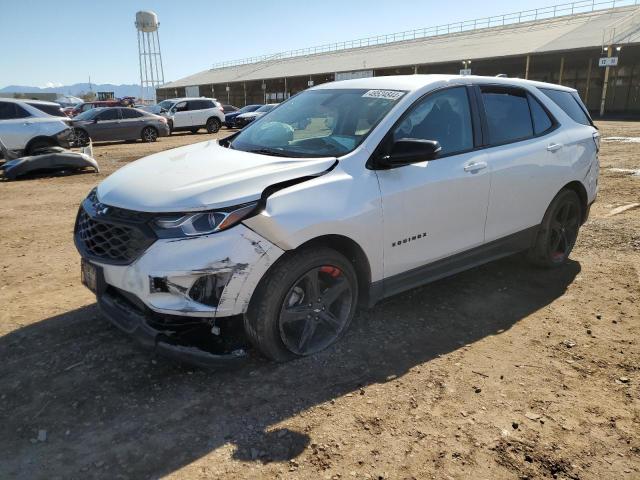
point(418, 82)
point(28, 100)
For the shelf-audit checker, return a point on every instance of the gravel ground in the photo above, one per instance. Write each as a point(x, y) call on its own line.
point(500, 372)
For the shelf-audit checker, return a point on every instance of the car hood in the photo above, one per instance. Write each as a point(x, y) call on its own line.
point(201, 176)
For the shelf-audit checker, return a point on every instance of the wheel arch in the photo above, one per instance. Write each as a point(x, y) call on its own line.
point(40, 138)
point(581, 191)
point(345, 246)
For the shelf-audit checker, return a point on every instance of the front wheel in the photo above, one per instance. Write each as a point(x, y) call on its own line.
point(149, 134)
point(213, 125)
point(81, 137)
point(558, 231)
point(303, 305)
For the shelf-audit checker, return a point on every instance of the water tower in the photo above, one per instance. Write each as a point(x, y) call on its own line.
point(151, 71)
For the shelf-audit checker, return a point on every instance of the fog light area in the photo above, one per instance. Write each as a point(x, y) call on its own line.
point(208, 288)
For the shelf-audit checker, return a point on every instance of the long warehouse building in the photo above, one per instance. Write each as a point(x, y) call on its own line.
point(588, 45)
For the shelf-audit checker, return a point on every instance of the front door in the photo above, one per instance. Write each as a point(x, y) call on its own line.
point(181, 115)
point(108, 125)
point(435, 209)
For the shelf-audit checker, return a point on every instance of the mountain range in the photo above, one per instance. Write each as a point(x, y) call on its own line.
point(80, 88)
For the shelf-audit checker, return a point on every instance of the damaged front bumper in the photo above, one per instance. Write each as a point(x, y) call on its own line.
point(158, 299)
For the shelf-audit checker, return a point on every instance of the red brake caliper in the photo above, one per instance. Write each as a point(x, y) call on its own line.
point(333, 272)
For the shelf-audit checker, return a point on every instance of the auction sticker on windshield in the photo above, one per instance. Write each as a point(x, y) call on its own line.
point(388, 94)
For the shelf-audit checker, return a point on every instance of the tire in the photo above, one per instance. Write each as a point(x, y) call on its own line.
point(284, 323)
point(213, 125)
point(558, 231)
point(149, 134)
point(39, 144)
point(194, 130)
point(81, 137)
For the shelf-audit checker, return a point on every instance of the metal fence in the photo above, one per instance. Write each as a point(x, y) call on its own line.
point(553, 11)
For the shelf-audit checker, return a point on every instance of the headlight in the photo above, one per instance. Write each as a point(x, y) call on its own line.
point(202, 223)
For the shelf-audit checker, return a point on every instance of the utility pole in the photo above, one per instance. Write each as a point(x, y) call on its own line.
point(606, 82)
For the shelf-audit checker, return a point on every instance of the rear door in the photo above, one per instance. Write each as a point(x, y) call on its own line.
point(16, 126)
point(133, 122)
point(524, 144)
point(198, 112)
point(435, 209)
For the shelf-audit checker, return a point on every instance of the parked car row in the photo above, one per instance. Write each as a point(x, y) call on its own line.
point(27, 125)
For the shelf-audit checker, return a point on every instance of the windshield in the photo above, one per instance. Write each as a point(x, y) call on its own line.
point(318, 123)
point(88, 114)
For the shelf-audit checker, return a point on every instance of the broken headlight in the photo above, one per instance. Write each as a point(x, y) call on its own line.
point(202, 223)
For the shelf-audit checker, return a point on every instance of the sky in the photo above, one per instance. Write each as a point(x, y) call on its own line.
point(53, 42)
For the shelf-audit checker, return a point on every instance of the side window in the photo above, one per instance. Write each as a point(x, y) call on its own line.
point(7, 111)
point(507, 112)
point(130, 113)
point(111, 114)
point(181, 107)
point(541, 120)
point(195, 105)
point(21, 112)
point(444, 116)
point(568, 104)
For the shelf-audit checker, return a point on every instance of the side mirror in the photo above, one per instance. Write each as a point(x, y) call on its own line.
point(163, 110)
point(411, 150)
point(95, 120)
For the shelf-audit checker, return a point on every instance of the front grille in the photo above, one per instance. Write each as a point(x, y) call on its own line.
point(110, 242)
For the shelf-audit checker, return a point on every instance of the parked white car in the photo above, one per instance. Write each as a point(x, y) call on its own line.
point(192, 114)
point(29, 125)
point(345, 194)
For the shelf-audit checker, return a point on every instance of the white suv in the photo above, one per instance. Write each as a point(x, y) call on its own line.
point(29, 125)
point(192, 114)
point(345, 194)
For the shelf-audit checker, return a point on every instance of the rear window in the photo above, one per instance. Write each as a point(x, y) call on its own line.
point(54, 110)
point(508, 116)
point(568, 104)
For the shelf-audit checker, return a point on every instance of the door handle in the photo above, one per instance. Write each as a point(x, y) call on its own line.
point(552, 147)
point(475, 166)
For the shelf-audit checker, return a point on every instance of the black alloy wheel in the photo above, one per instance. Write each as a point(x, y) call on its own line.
point(315, 310)
point(304, 303)
point(149, 134)
point(81, 137)
point(558, 231)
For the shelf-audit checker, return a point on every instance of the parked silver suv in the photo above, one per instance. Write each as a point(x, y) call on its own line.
point(25, 126)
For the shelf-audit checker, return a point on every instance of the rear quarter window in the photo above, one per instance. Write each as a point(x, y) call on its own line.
point(49, 109)
point(570, 106)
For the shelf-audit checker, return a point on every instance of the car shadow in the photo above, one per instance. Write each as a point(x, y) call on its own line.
point(79, 399)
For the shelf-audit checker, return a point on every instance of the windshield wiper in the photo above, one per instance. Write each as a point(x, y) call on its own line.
point(269, 151)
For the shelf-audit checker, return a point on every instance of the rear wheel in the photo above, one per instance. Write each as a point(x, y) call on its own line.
point(213, 125)
point(149, 134)
point(303, 305)
point(558, 231)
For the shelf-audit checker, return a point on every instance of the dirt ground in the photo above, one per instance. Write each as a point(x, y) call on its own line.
point(501, 372)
